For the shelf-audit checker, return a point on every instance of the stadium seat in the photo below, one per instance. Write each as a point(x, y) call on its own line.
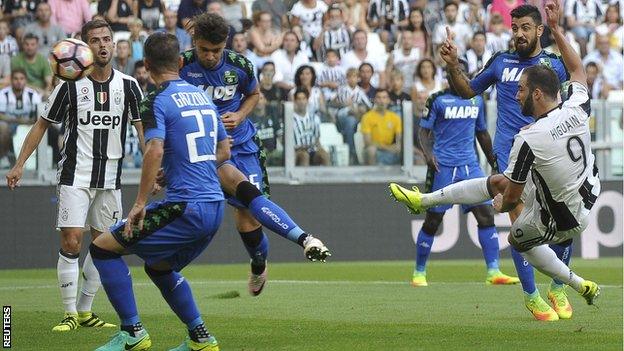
point(358, 140)
point(18, 139)
point(616, 96)
point(330, 135)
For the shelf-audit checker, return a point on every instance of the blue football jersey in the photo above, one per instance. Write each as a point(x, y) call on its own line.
point(454, 121)
point(226, 84)
point(184, 117)
point(504, 70)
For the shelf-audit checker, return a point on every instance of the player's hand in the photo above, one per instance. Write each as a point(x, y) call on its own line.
point(432, 162)
point(552, 14)
point(448, 49)
point(160, 183)
point(231, 120)
point(497, 203)
point(135, 220)
point(13, 177)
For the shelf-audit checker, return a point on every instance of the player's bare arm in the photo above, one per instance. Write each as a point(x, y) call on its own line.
point(459, 79)
point(570, 58)
point(30, 144)
point(232, 119)
point(139, 128)
point(425, 136)
point(223, 151)
point(485, 141)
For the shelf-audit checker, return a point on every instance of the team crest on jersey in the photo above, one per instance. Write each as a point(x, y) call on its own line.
point(545, 62)
point(117, 97)
point(102, 97)
point(230, 78)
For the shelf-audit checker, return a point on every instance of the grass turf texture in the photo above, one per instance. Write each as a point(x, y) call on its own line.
point(337, 306)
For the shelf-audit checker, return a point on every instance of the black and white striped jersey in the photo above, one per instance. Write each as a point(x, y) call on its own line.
point(556, 153)
point(96, 116)
point(23, 105)
point(337, 39)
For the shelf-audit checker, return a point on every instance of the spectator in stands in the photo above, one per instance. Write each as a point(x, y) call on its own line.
point(309, 15)
point(287, 60)
point(239, 45)
point(305, 78)
point(360, 54)
point(497, 38)
point(420, 35)
point(332, 75)
point(149, 12)
point(276, 9)
point(476, 15)
point(47, 32)
point(118, 13)
point(352, 103)
point(382, 130)
point(80, 14)
point(265, 38)
point(36, 66)
point(582, 17)
point(463, 32)
point(123, 60)
point(234, 12)
point(355, 14)
point(189, 9)
point(596, 87)
point(397, 95)
point(426, 82)
point(503, 8)
point(478, 54)
point(611, 61)
point(271, 92)
point(335, 34)
point(137, 39)
point(366, 72)
point(612, 27)
point(404, 59)
point(385, 17)
point(20, 13)
point(270, 129)
point(18, 105)
point(308, 149)
point(184, 39)
point(8, 49)
point(143, 78)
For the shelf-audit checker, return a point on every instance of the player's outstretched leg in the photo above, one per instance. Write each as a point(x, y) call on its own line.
point(545, 260)
point(272, 216)
point(488, 238)
point(117, 283)
point(90, 285)
point(556, 292)
point(177, 292)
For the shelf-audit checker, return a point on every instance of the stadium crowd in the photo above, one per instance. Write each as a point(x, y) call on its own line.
point(347, 63)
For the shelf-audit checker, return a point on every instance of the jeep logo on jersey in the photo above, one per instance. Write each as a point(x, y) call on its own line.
point(456, 112)
point(511, 74)
point(230, 78)
point(97, 120)
point(220, 93)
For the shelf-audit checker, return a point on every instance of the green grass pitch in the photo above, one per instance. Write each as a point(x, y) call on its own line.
point(337, 306)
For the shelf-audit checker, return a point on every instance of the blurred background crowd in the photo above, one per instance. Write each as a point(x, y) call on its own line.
point(349, 67)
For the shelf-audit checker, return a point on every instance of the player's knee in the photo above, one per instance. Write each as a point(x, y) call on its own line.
point(99, 253)
point(156, 271)
point(432, 222)
point(253, 237)
point(71, 242)
point(246, 192)
point(484, 216)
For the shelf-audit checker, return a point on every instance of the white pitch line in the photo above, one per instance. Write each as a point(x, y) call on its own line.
point(285, 281)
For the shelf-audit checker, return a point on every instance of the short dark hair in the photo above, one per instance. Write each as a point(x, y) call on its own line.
point(366, 64)
point(419, 67)
point(210, 27)
point(300, 71)
point(592, 64)
point(479, 33)
point(30, 36)
point(450, 3)
point(381, 90)
point(301, 90)
point(332, 50)
point(527, 10)
point(91, 25)
point(544, 78)
point(18, 70)
point(162, 51)
point(139, 64)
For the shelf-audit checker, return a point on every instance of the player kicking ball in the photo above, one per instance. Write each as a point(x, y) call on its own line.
point(183, 131)
point(551, 170)
point(447, 136)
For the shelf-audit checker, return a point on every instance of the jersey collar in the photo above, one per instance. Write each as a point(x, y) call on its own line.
point(107, 81)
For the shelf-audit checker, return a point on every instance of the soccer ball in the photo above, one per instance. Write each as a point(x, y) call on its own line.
point(71, 59)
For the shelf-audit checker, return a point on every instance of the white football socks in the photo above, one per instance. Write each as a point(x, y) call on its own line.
point(90, 285)
point(466, 192)
point(545, 260)
point(67, 272)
